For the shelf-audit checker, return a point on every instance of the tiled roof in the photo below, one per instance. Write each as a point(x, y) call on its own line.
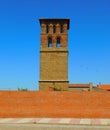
point(79, 85)
point(104, 86)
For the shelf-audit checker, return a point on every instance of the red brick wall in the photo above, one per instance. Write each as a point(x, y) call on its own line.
point(54, 104)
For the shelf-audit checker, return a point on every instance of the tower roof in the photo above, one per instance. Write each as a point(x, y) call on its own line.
point(59, 20)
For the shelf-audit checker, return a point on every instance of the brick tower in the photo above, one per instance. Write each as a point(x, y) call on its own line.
point(54, 54)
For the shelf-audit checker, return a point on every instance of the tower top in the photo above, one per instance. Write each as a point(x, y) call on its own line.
point(55, 20)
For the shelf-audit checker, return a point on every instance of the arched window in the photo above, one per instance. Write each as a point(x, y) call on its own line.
point(49, 42)
point(47, 29)
point(58, 43)
point(61, 28)
point(54, 29)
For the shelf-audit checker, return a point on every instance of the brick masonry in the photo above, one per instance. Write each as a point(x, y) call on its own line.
point(54, 104)
point(53, 60)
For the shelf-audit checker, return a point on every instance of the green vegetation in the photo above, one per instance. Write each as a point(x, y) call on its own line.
point(58, 89)
point(22, 89)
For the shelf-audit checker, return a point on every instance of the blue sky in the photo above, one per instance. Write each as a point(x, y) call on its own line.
point(89, 40)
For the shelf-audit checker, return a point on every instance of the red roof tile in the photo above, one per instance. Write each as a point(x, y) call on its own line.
point(104, 86)
point(78, 85)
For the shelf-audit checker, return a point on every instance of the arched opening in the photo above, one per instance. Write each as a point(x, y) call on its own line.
point(47, 29)
point(54, 29)
point(58, 45)
point(49, 42)
point(61, 28)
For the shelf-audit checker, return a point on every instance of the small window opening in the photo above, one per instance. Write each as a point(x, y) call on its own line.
point(47, 29)
point(49, 42)
point(58, 43)
point(54, 29)
point(61, 29)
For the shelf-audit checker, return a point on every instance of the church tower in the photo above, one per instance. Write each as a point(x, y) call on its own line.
point(54, 54)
